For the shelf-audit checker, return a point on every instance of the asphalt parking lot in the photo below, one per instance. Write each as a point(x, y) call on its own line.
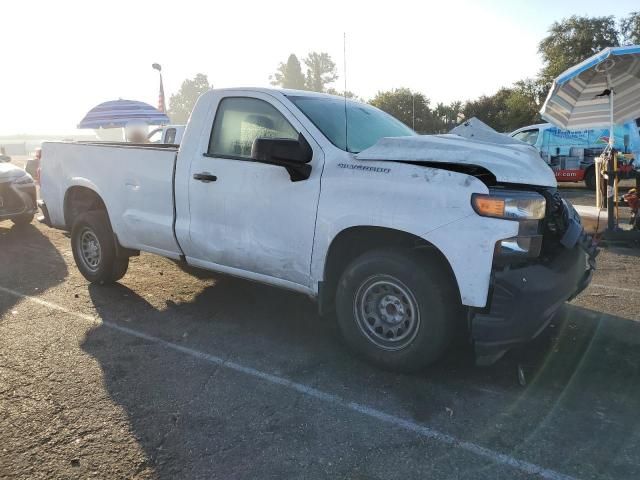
point(171, 374)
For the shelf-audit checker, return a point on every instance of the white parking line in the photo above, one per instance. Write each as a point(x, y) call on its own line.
point(620, 289)
point(422, 430)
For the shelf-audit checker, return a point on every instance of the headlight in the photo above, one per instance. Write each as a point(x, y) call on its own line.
point(518, 247)
point(510, 205)
point(527, 208)
point(26, 179)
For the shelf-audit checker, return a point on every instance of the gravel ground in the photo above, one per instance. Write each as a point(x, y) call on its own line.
point(174, 375)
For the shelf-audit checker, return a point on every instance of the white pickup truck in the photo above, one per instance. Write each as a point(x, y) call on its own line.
point(407, 237)
point(167, 134)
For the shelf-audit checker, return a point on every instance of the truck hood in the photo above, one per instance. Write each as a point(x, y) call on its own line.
point(9, 171)
point(510, 161)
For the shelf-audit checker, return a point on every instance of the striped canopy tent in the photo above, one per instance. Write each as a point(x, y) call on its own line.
point(602, 90)
point(118, 113)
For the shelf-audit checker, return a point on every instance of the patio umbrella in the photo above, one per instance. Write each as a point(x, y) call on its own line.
point(118, 113)
point(602, 90)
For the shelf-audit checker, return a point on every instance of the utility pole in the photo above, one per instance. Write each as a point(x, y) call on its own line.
point(413, 111)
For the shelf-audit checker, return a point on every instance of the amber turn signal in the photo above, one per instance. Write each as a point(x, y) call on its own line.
point(488, 206)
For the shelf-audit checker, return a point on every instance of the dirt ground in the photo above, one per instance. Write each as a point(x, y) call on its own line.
point(172, 375)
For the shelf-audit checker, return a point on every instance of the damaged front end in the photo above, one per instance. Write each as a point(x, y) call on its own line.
point(550, 262)
point(17, 197)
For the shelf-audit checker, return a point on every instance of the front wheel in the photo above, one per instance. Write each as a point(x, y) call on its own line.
point(397, 308)
point(94, 249)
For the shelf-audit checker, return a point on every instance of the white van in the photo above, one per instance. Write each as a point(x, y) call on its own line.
point(571, 153)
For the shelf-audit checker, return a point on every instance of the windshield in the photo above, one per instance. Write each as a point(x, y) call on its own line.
point(366, 124)
point(155, 136)
point(527, 136)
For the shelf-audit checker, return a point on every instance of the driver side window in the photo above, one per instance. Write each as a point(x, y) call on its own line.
point(239, 121)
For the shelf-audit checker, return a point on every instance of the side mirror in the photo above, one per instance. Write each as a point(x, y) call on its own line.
point(294, 155)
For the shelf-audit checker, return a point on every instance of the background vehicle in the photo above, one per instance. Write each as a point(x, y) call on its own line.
point(167, 134)
point(33, 164)
point(408, 237)
point(571, 153)
point(17, 195)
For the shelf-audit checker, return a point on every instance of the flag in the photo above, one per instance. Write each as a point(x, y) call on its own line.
point(161, 104)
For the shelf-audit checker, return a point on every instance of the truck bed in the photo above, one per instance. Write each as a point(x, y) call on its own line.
point(151, 146)
point(134, 181)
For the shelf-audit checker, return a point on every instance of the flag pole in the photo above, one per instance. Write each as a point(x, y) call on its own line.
point(161, 102)
point(161, 105)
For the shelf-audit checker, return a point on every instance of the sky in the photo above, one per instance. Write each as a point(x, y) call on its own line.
point(60, 58)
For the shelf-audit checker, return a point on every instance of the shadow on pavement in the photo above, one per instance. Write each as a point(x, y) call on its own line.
point(579, 406)
point(29, 262)
point(182, 411)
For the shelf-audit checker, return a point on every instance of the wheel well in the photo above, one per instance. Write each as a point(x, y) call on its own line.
point(355, 241)
point(78, 200)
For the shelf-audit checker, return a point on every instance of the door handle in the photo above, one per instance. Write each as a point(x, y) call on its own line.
point(205, 177)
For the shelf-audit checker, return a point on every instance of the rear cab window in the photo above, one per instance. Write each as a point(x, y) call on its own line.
point(170, 136)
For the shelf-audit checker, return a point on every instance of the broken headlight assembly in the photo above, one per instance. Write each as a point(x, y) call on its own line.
point(526, 208)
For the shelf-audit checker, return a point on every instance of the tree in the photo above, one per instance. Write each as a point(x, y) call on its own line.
point(289, 75)
point(509, 108)
point(321, 70)
point(523, 104)
point(572, 40)
point(411, 108)
point(181, 103)
point(630, 29)
point(446, 116)
point(348, 93)
point(491, 109)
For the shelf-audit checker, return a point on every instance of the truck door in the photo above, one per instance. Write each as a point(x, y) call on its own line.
point(248, 216)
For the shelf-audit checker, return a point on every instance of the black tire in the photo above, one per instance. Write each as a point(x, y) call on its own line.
point(93, 230)
point(423, 284)
point(590, 178)
point(24, 219)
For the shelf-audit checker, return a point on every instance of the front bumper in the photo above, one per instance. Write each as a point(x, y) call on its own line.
point(16, 200)
point(44, 218)
point(523, 300)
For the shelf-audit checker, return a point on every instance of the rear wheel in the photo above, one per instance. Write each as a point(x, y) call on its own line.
point(396, 308)
point(590, 179)
point(24, 219)
point(94, 249)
